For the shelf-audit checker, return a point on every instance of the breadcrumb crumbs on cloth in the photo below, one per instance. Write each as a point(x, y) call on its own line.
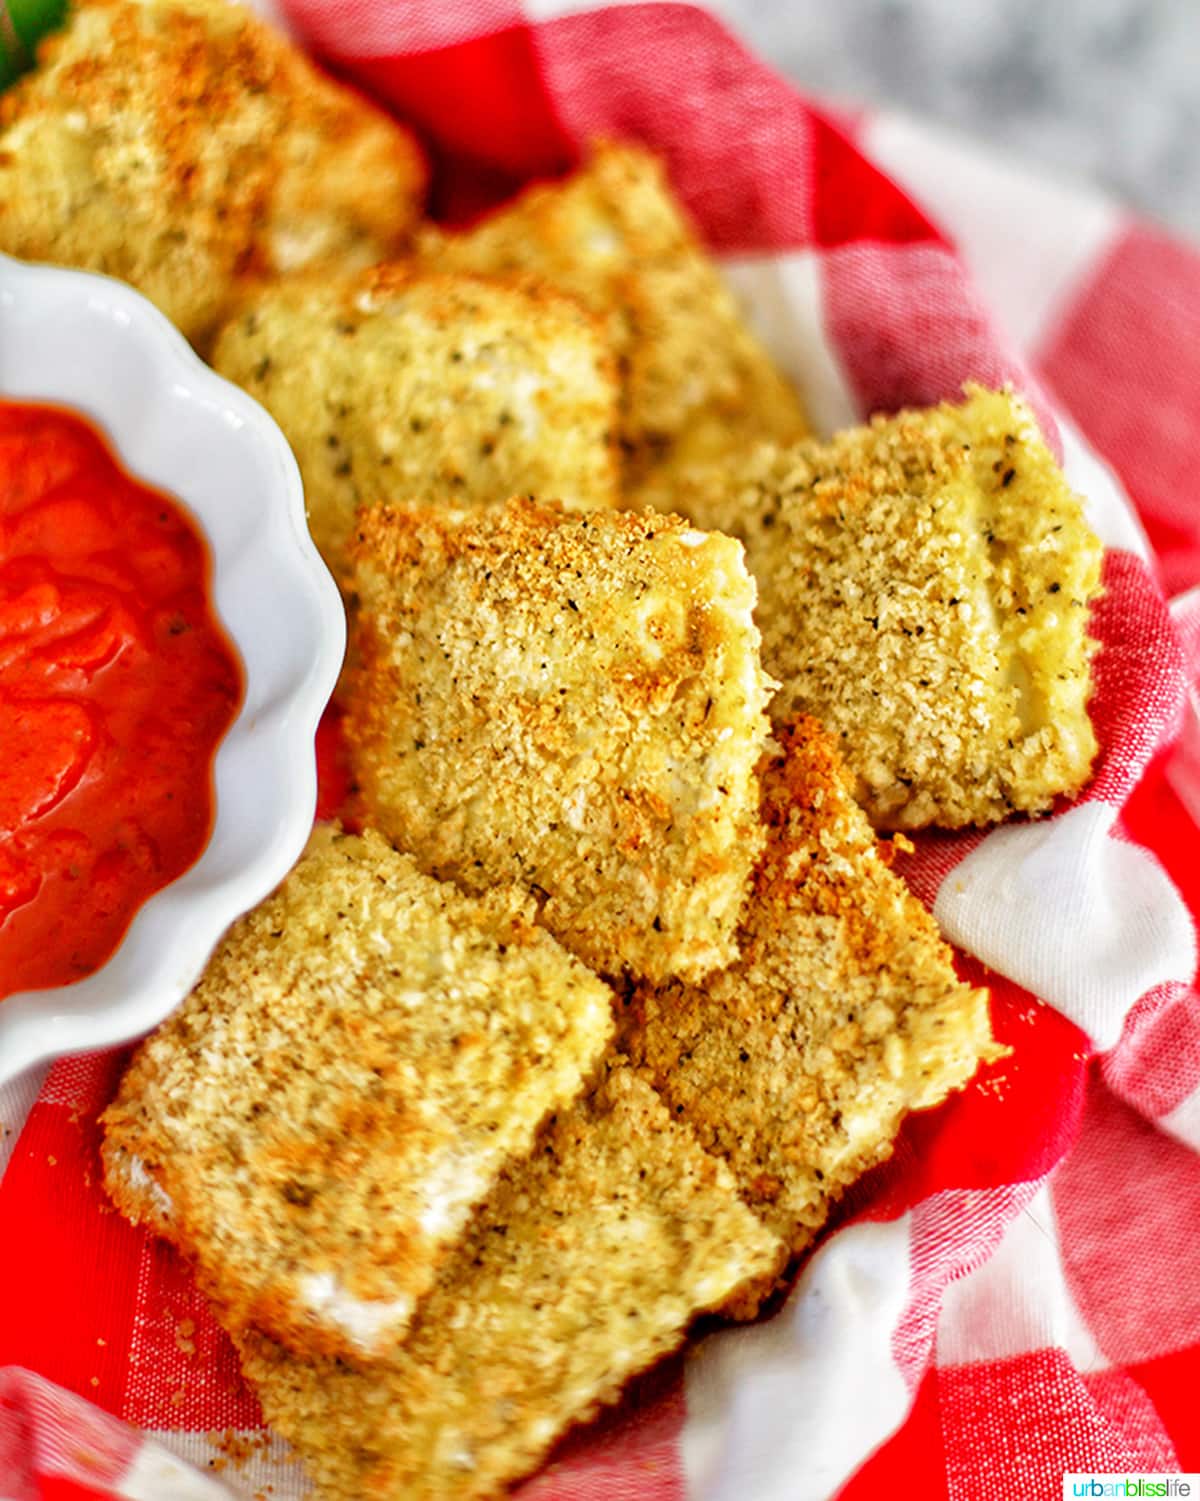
point(573, 703)
point(924, 591)
point(365, 1052)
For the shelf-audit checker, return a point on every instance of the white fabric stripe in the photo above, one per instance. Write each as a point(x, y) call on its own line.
point(156, 1475)
point(1109, 511)
point(1184, 1121)
point(781, 295)
point(16, 1101)
point(1018, 1301)
point(1029, 241)
point(1086, 922)
point(267, 1470)
point(786, 1410)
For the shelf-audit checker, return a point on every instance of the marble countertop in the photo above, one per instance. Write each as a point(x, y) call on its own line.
point(1100, 90)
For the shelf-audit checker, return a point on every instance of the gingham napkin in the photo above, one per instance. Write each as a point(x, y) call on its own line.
point(1017, 1293)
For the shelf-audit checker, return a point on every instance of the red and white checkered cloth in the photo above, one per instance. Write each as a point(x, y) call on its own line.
point(1018, 1292)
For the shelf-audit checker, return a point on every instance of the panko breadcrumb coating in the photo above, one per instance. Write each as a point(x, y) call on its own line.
point(571, 703)
point(798, 1064)
point(698, 386)
point(924, 586)
point(364, 1053)
point(586, 1265)
point(184, 146)
point(397, 384)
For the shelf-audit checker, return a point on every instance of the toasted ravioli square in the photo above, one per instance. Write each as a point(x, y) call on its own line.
point(587, 1264)
point(698, 386)
point(365, 1052)
point(797, 1065)
point(393, 383)
point(184, 146)
point(573, 703)
point(924, 591)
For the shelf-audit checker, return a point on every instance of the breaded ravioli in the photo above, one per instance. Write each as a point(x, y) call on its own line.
point(698, 387)
point(183, 146)
point(797, 1065)
point(364, 1054)
point(587, 1264)
point(397, 384)
point(924, 590)
point(573, 703)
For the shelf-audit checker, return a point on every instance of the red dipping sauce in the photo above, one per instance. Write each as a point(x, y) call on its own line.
point(116, 685)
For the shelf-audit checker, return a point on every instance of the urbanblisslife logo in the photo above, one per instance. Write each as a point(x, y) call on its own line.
point(1130, 1485)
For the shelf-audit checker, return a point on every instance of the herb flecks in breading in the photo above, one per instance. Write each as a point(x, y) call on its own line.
point(587, 1264)
point(571, 703)
point(365, 1052)
point(399, 385)
point(924, 589)
point(698, 387)
point(798, 1064)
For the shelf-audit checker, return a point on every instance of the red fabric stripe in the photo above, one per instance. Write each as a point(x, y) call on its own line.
point(736, 138)
point(408, 29)
point(1126, 361)
point(484, 108)
point(1172, 1383)
point(68, 1262)
point(1012, 1427)
point(1155, 817)
point(853, 202)
point(1156, 1064)
point(1011, 1124)
point(751, 160)
point(908, 327)
point(55, 1488)
point(183, 1372)
point(1128, 1207)
point(1124, 1405)
point(910, 1463)
point(935, 856)
point(1139, 678)
point(45, 1431)
point(85, 1299)
point(333, 769)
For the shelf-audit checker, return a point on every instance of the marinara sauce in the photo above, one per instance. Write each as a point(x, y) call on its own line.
point(116, 685)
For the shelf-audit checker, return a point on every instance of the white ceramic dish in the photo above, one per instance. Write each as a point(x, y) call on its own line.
point(95, 345)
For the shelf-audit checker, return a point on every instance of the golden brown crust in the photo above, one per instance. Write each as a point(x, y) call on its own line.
point(572, 703)
point(406, 385)
point(364, 1053)
point(585, 1266)
point(924, 590)
point(184, 146)
point(698, 387)
point(798, 1064)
